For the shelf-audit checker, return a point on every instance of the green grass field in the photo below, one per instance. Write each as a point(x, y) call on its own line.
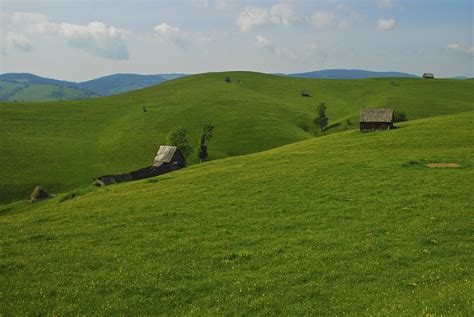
point(62, 145)
point(348, 223)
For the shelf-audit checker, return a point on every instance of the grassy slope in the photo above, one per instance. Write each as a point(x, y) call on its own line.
point(346, 223)
point(61, 145)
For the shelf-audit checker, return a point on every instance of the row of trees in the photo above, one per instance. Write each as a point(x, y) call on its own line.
point(179, 137)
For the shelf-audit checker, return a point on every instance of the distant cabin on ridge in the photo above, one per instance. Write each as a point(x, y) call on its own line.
point(167, 159)
point(305, 93)
point(428, 75)
point(376, 119)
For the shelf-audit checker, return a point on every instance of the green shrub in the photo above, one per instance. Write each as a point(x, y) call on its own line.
point(400, 116)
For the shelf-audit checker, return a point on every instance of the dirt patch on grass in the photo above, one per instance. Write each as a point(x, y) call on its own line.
point(446, 165)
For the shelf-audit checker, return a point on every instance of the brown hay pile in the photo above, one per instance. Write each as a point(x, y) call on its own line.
point(448, 165)
point(38, 194)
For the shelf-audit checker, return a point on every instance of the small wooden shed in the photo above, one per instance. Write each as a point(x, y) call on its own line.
point(169, 155)
point(428, 75)
point(376, 119)
point(305, 93)
point(167, 159)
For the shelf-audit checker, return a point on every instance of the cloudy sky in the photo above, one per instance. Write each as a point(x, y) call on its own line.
point(80, 40)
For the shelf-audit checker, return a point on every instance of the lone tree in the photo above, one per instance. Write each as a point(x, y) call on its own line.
point(205, 136)
point(179, 137)
point(321, 119)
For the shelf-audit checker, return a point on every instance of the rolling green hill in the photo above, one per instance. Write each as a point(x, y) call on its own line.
point(11, 91)
point(350, 223)
point(62, 145)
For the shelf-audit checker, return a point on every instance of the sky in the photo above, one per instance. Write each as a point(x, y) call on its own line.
point(82, 40)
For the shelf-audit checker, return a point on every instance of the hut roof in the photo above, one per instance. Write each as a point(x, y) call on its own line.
point(428, 75)
point(165, 154)
point(376, 115)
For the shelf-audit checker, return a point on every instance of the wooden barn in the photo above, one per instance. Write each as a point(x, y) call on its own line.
point(169, 155)
point(376, 119)
point(428, 75)
point(167, 159)
point(305, 93)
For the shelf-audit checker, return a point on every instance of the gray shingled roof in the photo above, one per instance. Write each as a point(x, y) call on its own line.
point(165, 154)
point(376, 115)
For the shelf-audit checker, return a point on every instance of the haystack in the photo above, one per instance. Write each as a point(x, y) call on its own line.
point(39, 193)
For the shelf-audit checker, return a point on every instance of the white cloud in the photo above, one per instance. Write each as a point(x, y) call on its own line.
point(282, 13)
point(461, 48)
point(385, 4)
point(252, 17)
point(95, 38)
point(323, 19)
point(217, 4)
point(315, 54)
point(168, 33)
point(386, 25)
point(263, 42)
point(285, 14)
point(17, 41)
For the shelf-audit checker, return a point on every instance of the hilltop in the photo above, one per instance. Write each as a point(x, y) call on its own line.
point(350, 74)
point(349, 223)
point(29, 87)
point(62, 145)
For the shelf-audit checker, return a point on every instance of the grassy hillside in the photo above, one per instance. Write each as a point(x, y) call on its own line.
point(10, 91)
point(62, 145)
point(348, 223)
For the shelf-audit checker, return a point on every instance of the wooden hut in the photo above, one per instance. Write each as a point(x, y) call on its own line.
point(305, 93)
point(376, 119)
point(167, 159)
point(169, 155)
point(428, 75)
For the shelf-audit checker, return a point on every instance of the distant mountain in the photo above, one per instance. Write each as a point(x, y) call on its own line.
point(459, 77)
point(119, 83)
point(26, 78)
point(29, 87)
point(349, 74)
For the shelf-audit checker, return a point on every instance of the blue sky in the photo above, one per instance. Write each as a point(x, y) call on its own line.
point(80, 40)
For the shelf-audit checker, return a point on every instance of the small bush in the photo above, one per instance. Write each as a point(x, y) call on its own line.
point(304, 126)
point(74, 194)
point(400, 116)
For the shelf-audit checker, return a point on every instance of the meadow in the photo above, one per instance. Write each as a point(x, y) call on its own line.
point(63, 145)
point(347, 223)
